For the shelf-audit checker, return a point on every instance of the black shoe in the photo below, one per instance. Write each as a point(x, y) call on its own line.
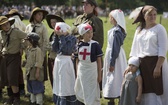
point(9, 101)
point(34, 103)
point(22, 92)
point(16, 101)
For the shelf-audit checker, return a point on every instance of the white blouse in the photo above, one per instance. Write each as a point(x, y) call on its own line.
point(150, 42)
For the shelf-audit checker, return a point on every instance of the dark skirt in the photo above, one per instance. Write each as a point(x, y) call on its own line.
point(150, 84)
point(45, 69)
point(66, 100)
point(35, 87)
point(10, 67)
point(50, 69)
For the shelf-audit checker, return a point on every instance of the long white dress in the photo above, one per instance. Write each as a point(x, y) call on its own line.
point(153, 42)
point(112, 81)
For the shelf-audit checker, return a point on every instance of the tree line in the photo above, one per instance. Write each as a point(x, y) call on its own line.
point(161, 5)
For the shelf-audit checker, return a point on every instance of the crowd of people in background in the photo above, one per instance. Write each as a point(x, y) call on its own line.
point(73, 57)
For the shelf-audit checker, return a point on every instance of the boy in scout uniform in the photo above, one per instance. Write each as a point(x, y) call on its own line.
point(11, 40)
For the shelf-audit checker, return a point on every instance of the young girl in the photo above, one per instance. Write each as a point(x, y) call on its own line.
point(51, 21)
point(132, 84)
point(88, 67)
point(34, 70)
point(115, 60)
point(63, 71)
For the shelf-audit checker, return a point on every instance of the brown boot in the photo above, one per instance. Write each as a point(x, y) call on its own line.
point(9, 101)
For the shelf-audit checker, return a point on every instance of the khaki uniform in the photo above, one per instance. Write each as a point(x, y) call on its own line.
point(41, 30)
point(34, 59)
point(15, 41)
point(96, 24)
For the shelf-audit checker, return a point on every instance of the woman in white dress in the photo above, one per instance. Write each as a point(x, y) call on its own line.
point(115, 59)
point(150, 45)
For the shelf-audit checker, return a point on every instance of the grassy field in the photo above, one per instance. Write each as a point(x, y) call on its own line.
point(127, 45)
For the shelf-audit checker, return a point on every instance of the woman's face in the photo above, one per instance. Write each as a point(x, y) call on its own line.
point(150, 17)
point(6, 27)
point(88, 8)
point(53, 22)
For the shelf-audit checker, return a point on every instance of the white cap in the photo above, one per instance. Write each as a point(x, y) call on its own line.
point(134, 61)
point(118, 15)
point(61, 26)
point(83, 28)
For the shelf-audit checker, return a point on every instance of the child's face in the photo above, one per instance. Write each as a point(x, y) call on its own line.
point(112, 20)
point(38, 17)
point(6, 27)
point(133, 68)
point(28, 43)
point(88, 35)
point(53, 22)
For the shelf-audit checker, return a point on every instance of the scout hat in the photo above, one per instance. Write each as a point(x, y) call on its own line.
point(50, 16)
point(83, 28)
point(134, 61)
point(32, 36)
point(13, 12)
point(4, 19)
point(92, 2)
point(144, 10)
point(61, 26)
point(35, 10)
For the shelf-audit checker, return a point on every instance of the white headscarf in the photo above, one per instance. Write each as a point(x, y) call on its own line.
point(118, 15)
point(83, 28)
point(61, 26)
point(134, 61)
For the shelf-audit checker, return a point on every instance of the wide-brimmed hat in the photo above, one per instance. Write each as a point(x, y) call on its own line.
point(51, 16)
point(4, 19)
point(13, 12)
point(92, 2)
point(35, 10)
point(83, 28)
point(32, 36)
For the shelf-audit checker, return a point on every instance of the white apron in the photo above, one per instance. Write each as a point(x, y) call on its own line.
point(86, 86)
point(112, 81)
point(63, 76)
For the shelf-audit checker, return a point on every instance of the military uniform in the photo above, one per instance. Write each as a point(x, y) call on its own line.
point(95, 22)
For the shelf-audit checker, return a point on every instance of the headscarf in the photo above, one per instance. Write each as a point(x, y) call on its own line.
point(118, 15)
point(144, 10)
point(61, 26)
point(134, 61)
point(83, 28)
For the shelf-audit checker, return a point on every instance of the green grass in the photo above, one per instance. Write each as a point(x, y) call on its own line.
point(127, 46)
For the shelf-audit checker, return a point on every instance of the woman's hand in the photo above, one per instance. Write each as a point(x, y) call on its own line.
point(157, 72)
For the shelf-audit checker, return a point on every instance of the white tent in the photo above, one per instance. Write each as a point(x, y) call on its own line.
point(134, 13)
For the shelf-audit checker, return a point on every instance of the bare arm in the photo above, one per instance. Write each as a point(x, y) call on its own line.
point(139, 80)
point(99, 67)
point(157, 70)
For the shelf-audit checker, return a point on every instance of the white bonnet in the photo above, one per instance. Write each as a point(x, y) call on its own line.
point(118, 15)
point(83, 28)
point(134, 61)
point(61, 26)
